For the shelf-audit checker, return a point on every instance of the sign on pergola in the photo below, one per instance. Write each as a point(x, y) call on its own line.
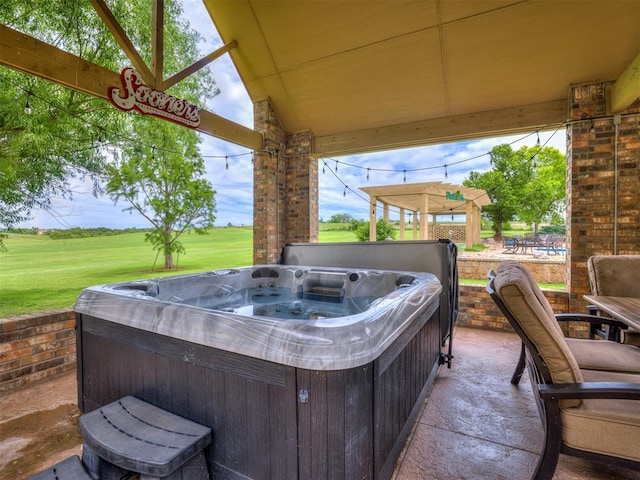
point(430, 198)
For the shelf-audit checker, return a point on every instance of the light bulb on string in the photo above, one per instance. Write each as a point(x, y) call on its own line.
point(538, 139)
point(324, 164)
point(405, 176)
point(336, 165)
point(368, 170)
point(27, 105)
point(344, 193)
point(226, 162)
point(446, 173)
point(451, 210)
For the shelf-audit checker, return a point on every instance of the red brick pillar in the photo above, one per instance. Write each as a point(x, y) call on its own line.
point(285, 188)
point(268, 186)
point(302, 189)
point(603, 183)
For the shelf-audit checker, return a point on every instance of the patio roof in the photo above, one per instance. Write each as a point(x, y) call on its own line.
point(365, 76)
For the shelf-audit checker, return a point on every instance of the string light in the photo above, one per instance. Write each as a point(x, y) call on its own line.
point(344, 192)
point(226, 162)
point(446, 174)
point(27, 105)
point(369, 169)
point(405, 176)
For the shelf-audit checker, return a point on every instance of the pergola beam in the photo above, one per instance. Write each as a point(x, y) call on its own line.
point(626, 89)
point(194, 67)
point(29, 55)
point(157, 43)
point(442, 130)
point(123, 40)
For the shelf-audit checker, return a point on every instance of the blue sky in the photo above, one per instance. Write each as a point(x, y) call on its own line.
point(235, 186)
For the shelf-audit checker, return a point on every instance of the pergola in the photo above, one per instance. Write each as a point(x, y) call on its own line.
point(430, 198)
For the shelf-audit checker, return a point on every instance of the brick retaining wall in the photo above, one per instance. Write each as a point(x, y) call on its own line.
point(543, 270)
point(33, 347)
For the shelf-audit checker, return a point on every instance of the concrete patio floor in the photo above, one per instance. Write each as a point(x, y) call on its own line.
point(474, 425)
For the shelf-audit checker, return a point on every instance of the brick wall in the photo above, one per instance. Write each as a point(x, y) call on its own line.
point(477, 309)
point(33, 347)
point(544, 271)
point(600, 159)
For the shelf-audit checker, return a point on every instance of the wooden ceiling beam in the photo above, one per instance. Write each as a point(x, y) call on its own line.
point(29, 55)
point(626, 89)
point(123, 40)
point(506, 121)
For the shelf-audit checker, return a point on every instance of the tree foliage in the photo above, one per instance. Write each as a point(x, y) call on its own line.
point(384, 231)
point(528, 184)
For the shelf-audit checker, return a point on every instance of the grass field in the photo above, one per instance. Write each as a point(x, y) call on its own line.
point(38, 273)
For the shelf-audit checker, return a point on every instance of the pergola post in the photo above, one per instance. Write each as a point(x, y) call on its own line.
point(424, 218)
point(470, 224)
point(401, 223)
point(372, 219)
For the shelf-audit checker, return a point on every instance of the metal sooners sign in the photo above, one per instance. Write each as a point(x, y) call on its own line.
point(135, 95)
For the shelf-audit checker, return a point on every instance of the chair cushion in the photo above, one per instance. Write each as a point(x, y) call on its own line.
point(614, 275)
point(531, 311)
point(610, 427)
point(605, 355)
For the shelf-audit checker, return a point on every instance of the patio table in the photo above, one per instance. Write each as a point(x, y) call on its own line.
point(624, 309)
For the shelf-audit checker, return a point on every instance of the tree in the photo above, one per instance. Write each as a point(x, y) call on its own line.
point(528, 184)
point(164, 183)
point(503, 184)
point(341, 218)
point(384, 230)
point(51, 134)
point(65, 134)
point(543, 196)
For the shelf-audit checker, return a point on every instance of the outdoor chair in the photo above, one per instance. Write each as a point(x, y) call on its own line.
point(590, 355)
point(614, 276)
point(509, 245)
point(569, 398)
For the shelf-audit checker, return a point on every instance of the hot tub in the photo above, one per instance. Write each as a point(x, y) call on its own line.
point(301, 372)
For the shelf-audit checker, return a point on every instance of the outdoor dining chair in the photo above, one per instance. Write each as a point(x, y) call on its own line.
point(615, 276)
point(569, 398)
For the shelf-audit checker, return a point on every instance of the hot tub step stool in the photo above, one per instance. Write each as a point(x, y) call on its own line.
point(68, 469)
point(138, 437)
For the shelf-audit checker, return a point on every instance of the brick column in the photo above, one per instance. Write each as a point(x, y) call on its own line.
point(603, 183)
point(301, 189)
point(285, 188)
point(268, 186)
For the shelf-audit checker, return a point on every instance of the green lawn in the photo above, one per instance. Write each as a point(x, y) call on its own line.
point(37, 273)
